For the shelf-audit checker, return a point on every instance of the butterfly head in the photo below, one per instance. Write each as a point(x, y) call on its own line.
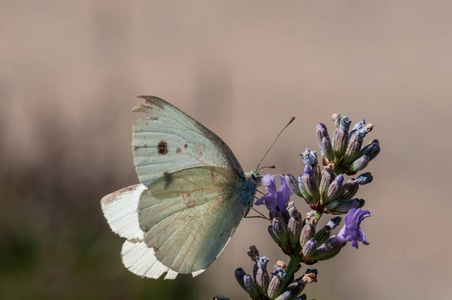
point(255, 177)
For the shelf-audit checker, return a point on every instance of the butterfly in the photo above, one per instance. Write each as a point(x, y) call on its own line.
point(193, 195)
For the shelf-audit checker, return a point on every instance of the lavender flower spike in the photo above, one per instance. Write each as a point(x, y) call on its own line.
point(351, 232)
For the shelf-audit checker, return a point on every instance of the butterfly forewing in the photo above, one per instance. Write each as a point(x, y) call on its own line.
point(169, 140)
point(189, 218)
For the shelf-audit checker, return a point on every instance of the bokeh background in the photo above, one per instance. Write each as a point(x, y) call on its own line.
point(69, 75)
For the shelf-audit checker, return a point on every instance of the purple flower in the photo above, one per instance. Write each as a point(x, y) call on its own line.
point(351, 232)
point(275, 200)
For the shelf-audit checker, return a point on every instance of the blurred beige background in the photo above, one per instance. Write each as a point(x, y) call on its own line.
point(70, 72)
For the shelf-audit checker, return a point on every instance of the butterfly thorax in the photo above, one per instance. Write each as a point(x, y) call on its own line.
point(248, 188)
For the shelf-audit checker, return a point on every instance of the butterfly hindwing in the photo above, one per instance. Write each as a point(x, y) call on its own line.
point(120, 210)
point(189, 219)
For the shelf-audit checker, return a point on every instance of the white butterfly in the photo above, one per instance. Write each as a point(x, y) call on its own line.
point(192, 196)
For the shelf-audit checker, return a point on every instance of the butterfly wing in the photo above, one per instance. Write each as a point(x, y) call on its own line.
point(196, 195)
point(170, 140)
point(189, 218)
point(120, 210)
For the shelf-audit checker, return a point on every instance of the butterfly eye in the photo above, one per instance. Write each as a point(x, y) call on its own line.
point(256, 178)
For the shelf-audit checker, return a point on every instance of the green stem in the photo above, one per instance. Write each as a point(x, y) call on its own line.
point(292, 267)
point(318, 215)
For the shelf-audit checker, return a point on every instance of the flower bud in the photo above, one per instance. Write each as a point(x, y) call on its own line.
point(292, 182)
point(334, 222)
point(297, 286)
point(287, 295)
point(310, 184)
point(326, 149)
point(323, 234)
point(310, 215)
point(304, 192)
point(308, 231)
point(371, 150)
point(317, 175)
point(340, 136)
point(280, 265)
point(349, 189)
point(309, 157)
point(253, 253)
point(250, 286)
point(262, 277)
point(340, 140)
point(358, 126)
point(336, 118)
point(239, 275)
point(309, 248)
point(321, 131)
point(357, 165)
point(364, 178)
point(309, 276)
point(276, 283)
point(343, 207)
point(292, 291)
point(354, 146)
point(278, 232)
point(361, 127)
point(291, 209)
point(330, 248)
point(293, 225)
point(323, 138)
point(327, 178)
point(334, 189)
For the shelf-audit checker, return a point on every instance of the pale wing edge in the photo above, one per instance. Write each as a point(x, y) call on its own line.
point(139, 259)
point(120, 210)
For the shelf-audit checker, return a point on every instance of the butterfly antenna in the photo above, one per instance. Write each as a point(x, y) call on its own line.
point(290, 122)
point(266, 167)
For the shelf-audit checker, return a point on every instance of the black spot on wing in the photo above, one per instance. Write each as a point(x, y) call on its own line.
point(162, 147)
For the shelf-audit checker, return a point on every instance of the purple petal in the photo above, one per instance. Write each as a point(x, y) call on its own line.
point(268, 182)
point(351, 232)
point(270, 202)
point(284, 194)
point(270, 199)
